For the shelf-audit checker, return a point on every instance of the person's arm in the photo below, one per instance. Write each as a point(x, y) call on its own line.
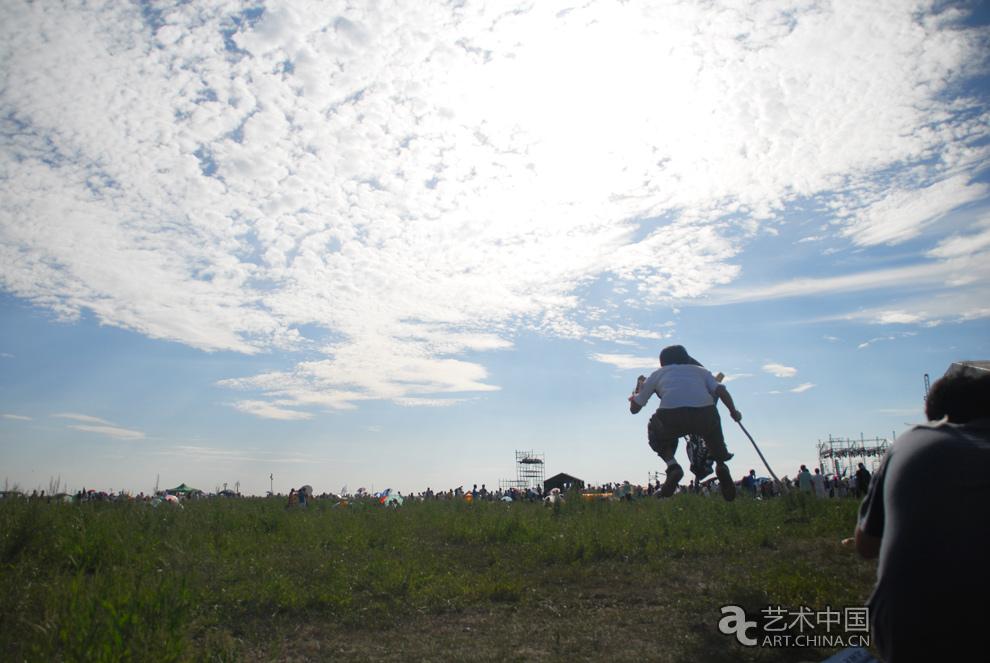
point(723, 395)
point(872, 518)
point(634, 407)
point(867, 545)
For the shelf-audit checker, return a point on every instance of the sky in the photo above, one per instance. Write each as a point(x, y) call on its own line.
point(391, 244)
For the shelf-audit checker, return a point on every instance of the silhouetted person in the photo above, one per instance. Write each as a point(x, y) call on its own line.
point(862, 480)
point(932, 543)
point(687, 391)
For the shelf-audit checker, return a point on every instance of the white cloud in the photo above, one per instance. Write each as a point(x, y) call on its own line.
point(888, 337)
point(803, 388)
point(627, 335)
point(429, 402)
point(780, 370)
point(110, 431)
point(83, 417)
point(266, 410)
point(923, 274)
point(17, 417)
point(900, 317)
point(212, 455)
point(963, 245)
point(627, 362)
point(904, 214)
point(412, 183)
point(100, 426)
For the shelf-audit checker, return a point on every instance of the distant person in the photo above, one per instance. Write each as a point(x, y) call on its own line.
point(932, 544)
point(749, 482)
point(862, 480)
point(687, 391)
point(804, 479)
point(818, 482)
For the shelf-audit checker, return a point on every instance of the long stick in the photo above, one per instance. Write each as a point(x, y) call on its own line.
point(782, 487)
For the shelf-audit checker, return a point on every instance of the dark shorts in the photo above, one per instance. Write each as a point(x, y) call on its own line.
point(668, 425)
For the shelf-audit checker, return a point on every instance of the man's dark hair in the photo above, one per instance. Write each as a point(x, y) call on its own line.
point(960, 397)
point(676, 354)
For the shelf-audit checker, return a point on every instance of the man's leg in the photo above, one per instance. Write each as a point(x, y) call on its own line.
point(663, 440)
point(715, 440)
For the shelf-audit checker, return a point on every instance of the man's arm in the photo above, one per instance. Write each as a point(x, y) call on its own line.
point(872, 514)
point(723, 395)
point(634, 407)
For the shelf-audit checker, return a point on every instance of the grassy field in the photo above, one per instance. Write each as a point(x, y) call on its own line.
point(248, 580)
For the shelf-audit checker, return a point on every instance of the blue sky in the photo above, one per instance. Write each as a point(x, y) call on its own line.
point(380, 245)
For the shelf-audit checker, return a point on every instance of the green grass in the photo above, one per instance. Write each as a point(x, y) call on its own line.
point(247, 580)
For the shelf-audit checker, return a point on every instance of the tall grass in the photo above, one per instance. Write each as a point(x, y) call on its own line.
point(226, 580)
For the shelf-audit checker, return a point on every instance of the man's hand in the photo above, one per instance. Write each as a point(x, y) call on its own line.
point(723, 395)
point(867, 545)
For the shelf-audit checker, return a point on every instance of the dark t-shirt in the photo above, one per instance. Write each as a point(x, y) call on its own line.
point(929, 501)
point(862, 480)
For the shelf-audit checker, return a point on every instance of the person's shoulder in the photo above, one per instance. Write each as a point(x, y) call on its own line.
point(940, 440)
point(665, 371)
point(693, 369)
point(977, 429)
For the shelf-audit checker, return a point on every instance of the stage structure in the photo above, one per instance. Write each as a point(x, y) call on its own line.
point(842, 456)
point(530, 472)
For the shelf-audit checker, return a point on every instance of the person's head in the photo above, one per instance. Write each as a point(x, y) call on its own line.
point(676, 354)
point(960, 397)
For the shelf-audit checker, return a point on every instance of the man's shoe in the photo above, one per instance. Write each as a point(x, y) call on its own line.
point(725, 482)
point(674, 475)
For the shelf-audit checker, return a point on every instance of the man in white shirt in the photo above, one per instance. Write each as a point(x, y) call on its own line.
point(687, 394)
point(818, 483)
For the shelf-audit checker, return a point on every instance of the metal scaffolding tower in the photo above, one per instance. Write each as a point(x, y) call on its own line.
point(842, 456)
point(530, 472)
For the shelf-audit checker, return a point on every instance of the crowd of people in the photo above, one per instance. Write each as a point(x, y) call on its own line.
point(750, 485)
point(818, 484)
point(79, 496)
